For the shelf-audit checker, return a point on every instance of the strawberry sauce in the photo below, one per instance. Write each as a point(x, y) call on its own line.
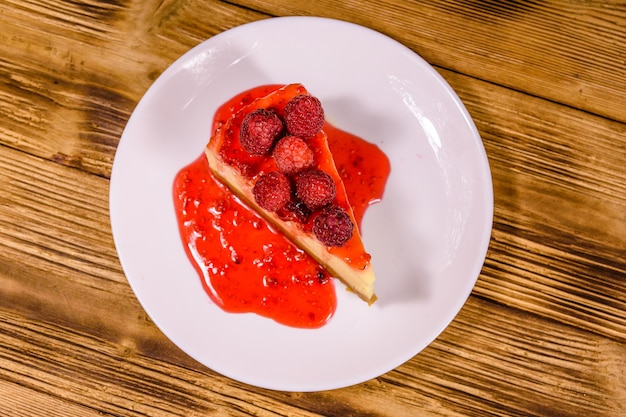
point(245, 265)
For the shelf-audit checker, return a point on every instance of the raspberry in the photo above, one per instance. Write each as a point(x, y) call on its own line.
point(272, 191)
point(315, 188)
point(259, 130)
point(332, 226)
point(292, 154)
point(304, 116)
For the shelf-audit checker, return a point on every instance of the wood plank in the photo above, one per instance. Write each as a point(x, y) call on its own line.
point(19, 401)
point(70, 105)
point(81, 371)
point(569, 52)
point(45, 206)
point(60, 100)
point(491, 359)
point(510, 363)
point(559, 234)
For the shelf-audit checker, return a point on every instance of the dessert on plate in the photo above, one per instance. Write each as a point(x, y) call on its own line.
point(274, 155)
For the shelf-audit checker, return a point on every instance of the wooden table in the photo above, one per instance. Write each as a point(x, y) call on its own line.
point(543, 332)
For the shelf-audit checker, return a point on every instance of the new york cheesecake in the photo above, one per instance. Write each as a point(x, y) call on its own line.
point(274, 155)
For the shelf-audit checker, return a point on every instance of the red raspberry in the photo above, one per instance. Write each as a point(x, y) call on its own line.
point(304, 116)
point(272, 191)
point(292, 154)
point(259, 130)
point(315, 188)
point(333, 227)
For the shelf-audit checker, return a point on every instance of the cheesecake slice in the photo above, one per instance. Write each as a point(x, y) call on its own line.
point(274, 155)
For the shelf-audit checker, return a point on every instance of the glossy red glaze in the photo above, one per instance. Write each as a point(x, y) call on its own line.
point(362, 166)
point(244, 264)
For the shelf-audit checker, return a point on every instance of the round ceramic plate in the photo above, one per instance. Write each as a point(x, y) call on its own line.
point(428, 237)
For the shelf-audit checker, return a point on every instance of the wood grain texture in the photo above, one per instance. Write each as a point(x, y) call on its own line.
point(488, 361)
point(68, 94)
point(559, 221)
point(571, 52)
point(544, 332)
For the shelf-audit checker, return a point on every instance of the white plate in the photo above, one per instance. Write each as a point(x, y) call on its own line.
point(428, 237)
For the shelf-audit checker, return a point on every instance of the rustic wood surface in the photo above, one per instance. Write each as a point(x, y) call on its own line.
point(543, 333)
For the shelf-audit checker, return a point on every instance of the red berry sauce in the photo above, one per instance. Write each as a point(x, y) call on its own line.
point(245, 266)
point(362, 166)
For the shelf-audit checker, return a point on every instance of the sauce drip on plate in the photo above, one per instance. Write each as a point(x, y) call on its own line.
point(244, 264)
